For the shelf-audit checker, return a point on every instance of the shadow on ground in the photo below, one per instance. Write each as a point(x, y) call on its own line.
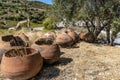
point(64, 61)
point(49, 72)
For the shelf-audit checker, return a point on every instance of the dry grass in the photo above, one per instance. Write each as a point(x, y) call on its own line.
point(87, 62)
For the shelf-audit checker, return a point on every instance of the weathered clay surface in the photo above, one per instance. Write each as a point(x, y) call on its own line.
point(21, 68)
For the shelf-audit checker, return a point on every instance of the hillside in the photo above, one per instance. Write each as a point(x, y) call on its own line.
point(37, 4)
point(12, 11)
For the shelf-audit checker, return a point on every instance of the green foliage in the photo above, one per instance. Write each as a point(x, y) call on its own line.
point(99, 13)
point(12, 23)
point(40, 5)
point(84, 9)
point(18, 10)
point(116, 26)
point(49, 24)
point(68, 9)
point(6, 32)
point(35, 24)
point(38, 17)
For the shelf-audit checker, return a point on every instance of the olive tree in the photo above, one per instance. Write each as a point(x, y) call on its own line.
point(66, 10)
point(97, 14)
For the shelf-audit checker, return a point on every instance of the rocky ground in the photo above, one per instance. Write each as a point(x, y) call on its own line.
point(84, 62)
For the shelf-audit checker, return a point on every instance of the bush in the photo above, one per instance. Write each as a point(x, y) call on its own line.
point(49, 24)
point(37, 17)
point(116, 26)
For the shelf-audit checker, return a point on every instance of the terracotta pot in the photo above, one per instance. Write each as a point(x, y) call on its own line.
point(17, 41)
point(49, 52)
point(9, 41)
point(73, 35)
point(50, 35)
point(5, 42)
point(81, 35)
point(64, 40)
point(2, 51)
point(44, 41)
point(24, 38)
point(89, 37)
point(21, 66)
point(4, 45)
point(7, 38)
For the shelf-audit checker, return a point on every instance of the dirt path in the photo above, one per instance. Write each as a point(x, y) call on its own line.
point(87, 62)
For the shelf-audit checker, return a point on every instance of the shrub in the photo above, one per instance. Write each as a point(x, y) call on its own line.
point(116, 26)
point(49, 24)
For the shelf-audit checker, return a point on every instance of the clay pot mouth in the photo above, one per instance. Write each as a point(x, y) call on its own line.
point(7, 38)
point(20, 52)
point(13, 40)
point(66, 32)
point(17, 41)
point(44, 41)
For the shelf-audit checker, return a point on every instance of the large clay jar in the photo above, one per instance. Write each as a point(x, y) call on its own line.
point(81, 35)
point(64, 40)
point(9, 41)
point(89, 37)
point(49, 51)
point(73, 35)
point(21, 63)
point(2, 51)
point(5, 42)
point(24, 38)
point(50, 35)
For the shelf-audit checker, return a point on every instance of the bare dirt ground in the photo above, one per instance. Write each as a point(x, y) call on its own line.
point(84, 62)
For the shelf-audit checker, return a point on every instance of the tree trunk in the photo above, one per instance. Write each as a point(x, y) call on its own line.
point(98, 28)
point(97, 32)
point(87, 25)
point(108, 34)
point(112, 40)
point(113, 36)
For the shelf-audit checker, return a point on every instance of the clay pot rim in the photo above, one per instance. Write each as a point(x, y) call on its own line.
point(3, 38)
point(54, 44)
point(33, 53)
point(44, 38)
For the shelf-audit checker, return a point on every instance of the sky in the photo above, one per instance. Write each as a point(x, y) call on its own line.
point(46, 1)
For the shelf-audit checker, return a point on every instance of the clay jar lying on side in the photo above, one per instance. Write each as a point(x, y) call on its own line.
point(21, 64)
point(86, 36)
point(89, 37)
point(72, 34)
point(64, 40)
point(81, 35)
point(49, 51)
